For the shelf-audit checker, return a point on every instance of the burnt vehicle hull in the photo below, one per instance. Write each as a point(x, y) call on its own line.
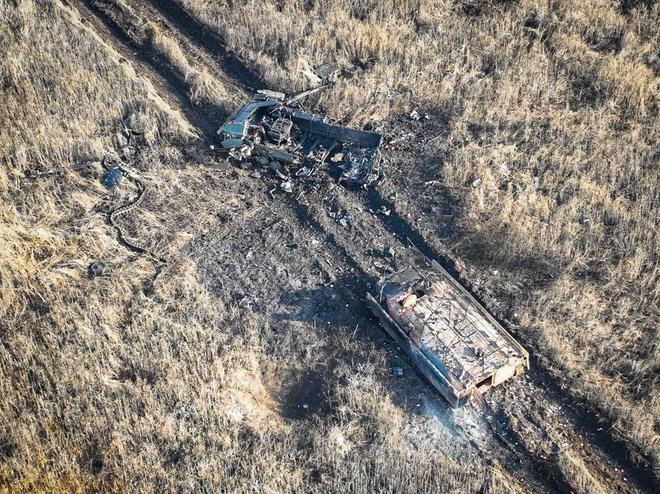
point(446, 333)
point(416, 356)
point(277, 130)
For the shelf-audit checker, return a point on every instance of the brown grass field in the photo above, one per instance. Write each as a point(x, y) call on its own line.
point(553, 105)
point(112, 385)
point(105, 388)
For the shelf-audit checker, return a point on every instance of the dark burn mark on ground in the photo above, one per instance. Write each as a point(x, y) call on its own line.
point(305, 395)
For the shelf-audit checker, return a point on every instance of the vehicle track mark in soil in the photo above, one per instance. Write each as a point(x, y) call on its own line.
point(402, 229)
point(397, 225)
point(354, 288)
point(151, 67)
point(596, 429)
point(211, 42)
point(610, 452)
point(576, 410)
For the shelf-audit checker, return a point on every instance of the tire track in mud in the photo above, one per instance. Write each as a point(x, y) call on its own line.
point(394, 227)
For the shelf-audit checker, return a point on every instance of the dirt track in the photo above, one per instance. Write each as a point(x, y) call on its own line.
point(300, 266)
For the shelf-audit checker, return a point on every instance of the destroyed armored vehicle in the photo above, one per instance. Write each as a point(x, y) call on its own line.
point(449, 336)
point(272, 129)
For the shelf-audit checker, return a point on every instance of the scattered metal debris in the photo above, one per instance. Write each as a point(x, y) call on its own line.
point(402, 138)
point(345, 220)
point(272, 131)
point(113, 178)
point(460, 348)
point(414, 115)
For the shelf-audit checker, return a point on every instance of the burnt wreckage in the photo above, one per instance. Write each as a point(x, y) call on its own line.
point(451, 338)
point(274, 132)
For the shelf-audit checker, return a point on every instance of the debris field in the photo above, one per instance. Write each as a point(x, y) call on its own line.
point(316, 257)
point(271, 132)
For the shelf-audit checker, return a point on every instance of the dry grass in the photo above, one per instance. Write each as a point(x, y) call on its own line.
point(203, 88)
point(554, 106)
point(56, 112)
point(110, 387)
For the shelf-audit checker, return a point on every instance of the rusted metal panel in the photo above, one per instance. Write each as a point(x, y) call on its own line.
point(451, 392)
point(462, 345)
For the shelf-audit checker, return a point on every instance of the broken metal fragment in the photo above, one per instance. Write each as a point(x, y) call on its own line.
point(242, 152)
point(287, 186)
point(113, 178)
point(237, 125)
point(231, 143)
point(345, 220)
point(396, 371)
point(280, 131)
point(272, 130)
point(304, 172)
point(268, 94)
point(274, 154)
point(279, 170)
point(304, 94)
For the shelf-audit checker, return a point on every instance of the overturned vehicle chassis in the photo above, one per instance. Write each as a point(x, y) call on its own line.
point(277, 131)
point(449, 336)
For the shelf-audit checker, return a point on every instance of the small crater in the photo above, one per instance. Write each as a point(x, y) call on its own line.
point(298, 393)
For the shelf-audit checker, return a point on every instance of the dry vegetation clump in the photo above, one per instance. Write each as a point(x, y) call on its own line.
point(109, 386)
point(56, 112)
point(553, 106)
point(202, 87)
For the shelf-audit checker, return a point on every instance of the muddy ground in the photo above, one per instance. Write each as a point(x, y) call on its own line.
point(304, 261)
